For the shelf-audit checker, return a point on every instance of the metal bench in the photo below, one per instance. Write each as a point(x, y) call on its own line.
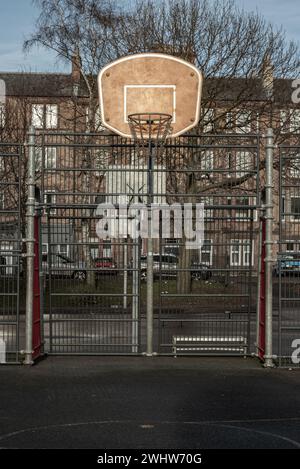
point(2, 351)
point(193, 343)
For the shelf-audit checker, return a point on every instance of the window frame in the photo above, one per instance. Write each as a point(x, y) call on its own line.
point(293, 219)
point(206, 251)
point(53, 193)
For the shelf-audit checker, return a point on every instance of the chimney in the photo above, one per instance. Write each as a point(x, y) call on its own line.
point(76, 66)
point(267, 76)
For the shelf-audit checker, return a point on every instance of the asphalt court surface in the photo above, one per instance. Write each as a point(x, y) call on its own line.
point(141, 402)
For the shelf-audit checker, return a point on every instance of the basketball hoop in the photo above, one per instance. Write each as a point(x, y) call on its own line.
point(151, 127)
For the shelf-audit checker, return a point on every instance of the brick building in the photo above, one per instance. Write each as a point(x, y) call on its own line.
point(61, 103)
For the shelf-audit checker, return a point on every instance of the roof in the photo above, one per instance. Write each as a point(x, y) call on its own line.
point(223, 89)
point(39, 84)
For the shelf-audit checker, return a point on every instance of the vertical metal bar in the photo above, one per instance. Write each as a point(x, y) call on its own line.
point(125, 272)
point(41, 279)
point(250, 281)
point(282, 209)
point(49, 265)
point(134, 298)
point(30, 208)
point(21, 154)
point(149, 350)
point(259, 249)
point(269, 243)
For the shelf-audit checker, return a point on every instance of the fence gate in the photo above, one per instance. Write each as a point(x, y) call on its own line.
point(11, 272)
point(207, 304)
point(287, 269)
point(91, 285)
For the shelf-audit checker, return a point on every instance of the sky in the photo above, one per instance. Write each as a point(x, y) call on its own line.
point(17, 18)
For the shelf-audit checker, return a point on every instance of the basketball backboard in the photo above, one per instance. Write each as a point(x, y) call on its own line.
point(150, 83)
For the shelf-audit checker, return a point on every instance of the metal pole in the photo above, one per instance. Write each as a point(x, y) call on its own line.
point(135, 299)
point(269, 243)
point(30, 210)
point(258, 287)
point(149, 350)
point(125, 272)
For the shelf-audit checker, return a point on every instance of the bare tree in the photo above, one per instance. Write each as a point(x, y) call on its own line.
point(242, 57)
point(78, 30)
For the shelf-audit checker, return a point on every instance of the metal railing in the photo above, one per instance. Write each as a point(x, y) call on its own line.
point(11, 267)
point(286, 271)
point(95, 296)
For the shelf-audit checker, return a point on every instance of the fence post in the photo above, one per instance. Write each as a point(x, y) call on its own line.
point(268, 244)
point(149, 348)
point(30, 211)
point(261, 292)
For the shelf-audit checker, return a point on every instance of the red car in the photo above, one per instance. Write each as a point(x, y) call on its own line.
point(105, 265)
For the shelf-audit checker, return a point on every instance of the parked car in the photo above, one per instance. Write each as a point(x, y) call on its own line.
point(167, 266)
point(105, 266)
point(64, 266)
point(287, 266)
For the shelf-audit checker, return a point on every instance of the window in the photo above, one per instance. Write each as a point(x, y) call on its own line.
point(37, 119)
point(283, 208)
point(243, 163)
point(1, 201)
point(207, 202)
point(290, 121)
point(295, 167)
point(257, 122)
point(2, 115)
point(240, 252)
point(51, 116)
point(38, 158)
point(295, 120)
point(244, 202)
point(295, 208)
point(284, 121)
point(50, 201)
point(101, 161)
point(98, 120)
point(246, 252)
point(45, 248)
point(2, 165)
point(50, 157)
point(44, 116)
point(206, 252)
point(208, 120)
point(207, 160)
point(243, 122)
point(290, 246)
point(242, 213)
point(107, 248)
point(63, 249)
point(235, 252)
point(229, 125)
point(172, 246)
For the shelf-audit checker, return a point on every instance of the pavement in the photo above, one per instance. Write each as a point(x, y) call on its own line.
point(142, 402)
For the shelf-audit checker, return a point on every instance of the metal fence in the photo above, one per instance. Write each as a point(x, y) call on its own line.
point(287, 268)
point(95, 288)
point(11, 272)
point(209, 306)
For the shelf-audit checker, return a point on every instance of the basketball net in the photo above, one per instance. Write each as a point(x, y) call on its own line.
point(150, 127)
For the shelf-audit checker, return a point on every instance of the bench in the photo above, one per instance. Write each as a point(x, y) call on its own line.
point(2, 351)
point(195, 343)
